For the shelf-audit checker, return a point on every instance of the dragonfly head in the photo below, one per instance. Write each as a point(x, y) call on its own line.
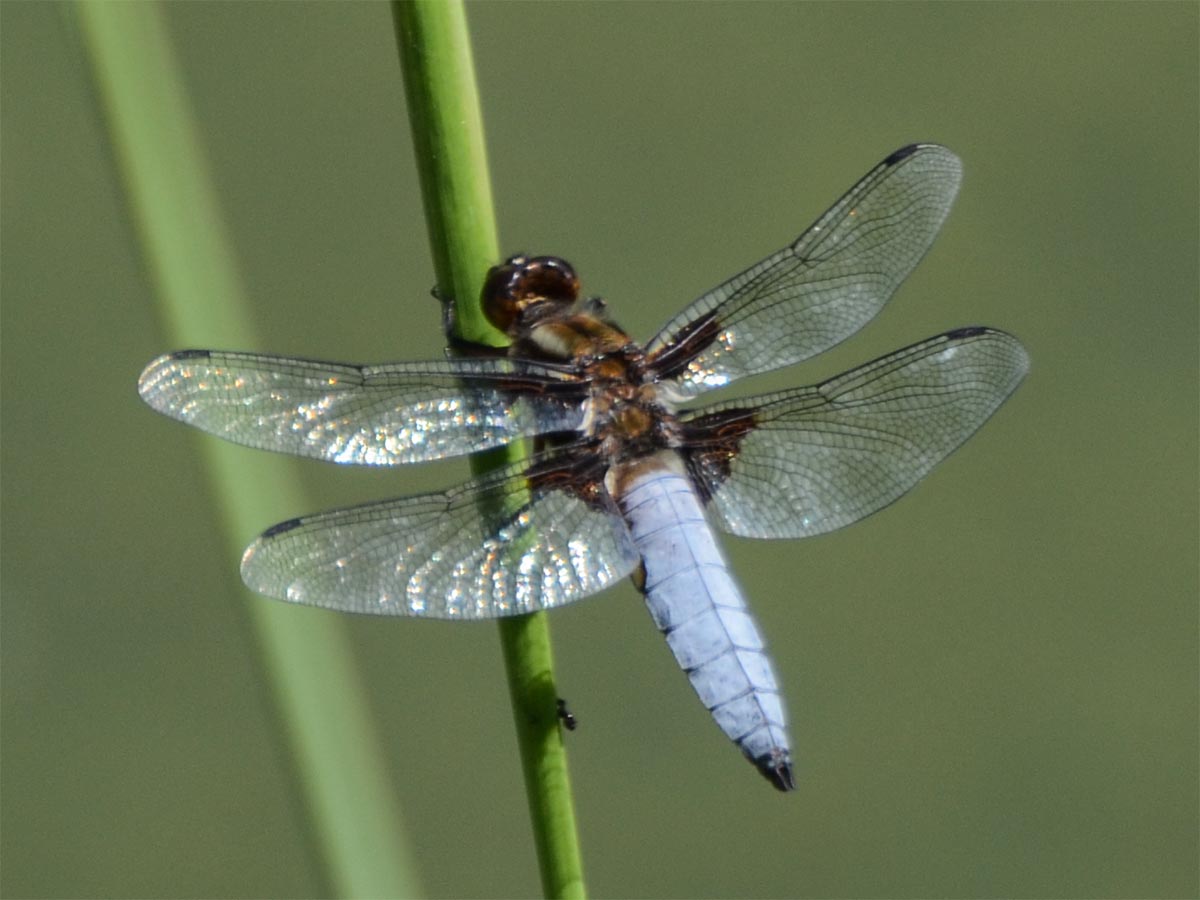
point(524, 290)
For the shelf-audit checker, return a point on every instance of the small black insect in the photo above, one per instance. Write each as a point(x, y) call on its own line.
point(566, 716)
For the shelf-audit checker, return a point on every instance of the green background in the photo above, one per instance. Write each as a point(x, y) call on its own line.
point(992, 684)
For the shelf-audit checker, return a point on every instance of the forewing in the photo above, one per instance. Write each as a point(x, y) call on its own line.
point(501, 545)
point(365, 415)
point(807, 461)
point(822, 288)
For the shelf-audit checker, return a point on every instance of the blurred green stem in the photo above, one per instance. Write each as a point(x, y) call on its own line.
point(443, 108)
point(306, 656)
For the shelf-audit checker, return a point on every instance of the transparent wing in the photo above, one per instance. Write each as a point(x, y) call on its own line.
point(500, 545)
point(822, 288)
point(807, 461)
point(366, 415)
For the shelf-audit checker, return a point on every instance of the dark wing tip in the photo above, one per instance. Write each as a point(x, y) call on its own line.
point(905, 152)
point(1019, 354)
point(176, 356)
point(158, 365)
point(968, 331)
point(189, 354)
point(281, 528)
point(266, 580)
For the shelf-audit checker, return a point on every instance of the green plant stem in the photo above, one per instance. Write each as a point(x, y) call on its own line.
point(447, 128)
point(307, 658)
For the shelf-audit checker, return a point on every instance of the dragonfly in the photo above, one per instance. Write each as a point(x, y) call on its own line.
point(626, 476)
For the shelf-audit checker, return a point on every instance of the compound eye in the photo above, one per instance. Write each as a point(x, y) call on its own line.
point(551, 278)
point(523, 283)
